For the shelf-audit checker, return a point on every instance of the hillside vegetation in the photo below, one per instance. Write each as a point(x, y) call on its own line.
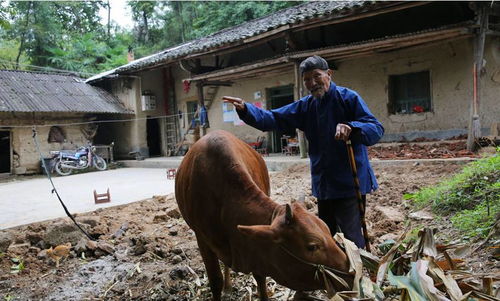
point(471, 198)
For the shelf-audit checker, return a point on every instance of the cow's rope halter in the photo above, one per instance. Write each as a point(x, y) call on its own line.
point(325, 271)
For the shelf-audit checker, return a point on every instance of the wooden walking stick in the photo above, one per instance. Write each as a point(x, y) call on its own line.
point(361, 201)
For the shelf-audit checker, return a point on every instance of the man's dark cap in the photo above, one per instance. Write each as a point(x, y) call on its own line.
point(313, 62)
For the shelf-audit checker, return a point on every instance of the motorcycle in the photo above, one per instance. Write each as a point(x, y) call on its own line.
point(64, 162)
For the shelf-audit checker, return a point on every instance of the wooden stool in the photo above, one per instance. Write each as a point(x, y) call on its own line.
point(102, 197)
point(171, 173)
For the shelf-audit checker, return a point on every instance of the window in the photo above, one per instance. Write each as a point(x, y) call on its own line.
point(56, 134)
point(410, 93)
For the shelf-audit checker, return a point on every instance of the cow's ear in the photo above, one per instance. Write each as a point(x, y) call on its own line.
point(261, 232)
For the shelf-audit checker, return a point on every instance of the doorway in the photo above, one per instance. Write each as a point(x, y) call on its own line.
point(278, 97)
point(5, 152)
point(153, 137)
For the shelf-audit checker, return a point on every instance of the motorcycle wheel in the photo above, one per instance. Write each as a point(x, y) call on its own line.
point(61, 170)
point(100, 163)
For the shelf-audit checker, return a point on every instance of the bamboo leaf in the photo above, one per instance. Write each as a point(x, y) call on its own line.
point(451, 285)
point(404, 282)
point(388, 257)
point(426, 282)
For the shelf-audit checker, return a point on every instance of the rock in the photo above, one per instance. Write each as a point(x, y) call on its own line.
point(138, 250)
point(159, 198)
point(106, 247)
point(19, 249)
point(138, 245)
point(179, 272)
point(5, 241)
point(119, 233)
point(160, 218)
point(99, 253)
point(61, 233)
point(174, 213)
point(34, 237)
point(42, 245)
point(42, 254)
point(92, 221)
point(34, 250)
point(391, 213)
point(177, 251)
point(172, 232)
point(176, 259)
point(91, 245)
point(160, 252)
point(81, 246)
point(121, 256)
point(421, 215)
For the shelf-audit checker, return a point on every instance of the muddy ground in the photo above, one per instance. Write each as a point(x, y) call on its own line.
point(146, 251)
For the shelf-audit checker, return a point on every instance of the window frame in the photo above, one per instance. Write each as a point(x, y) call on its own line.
point(394, 103)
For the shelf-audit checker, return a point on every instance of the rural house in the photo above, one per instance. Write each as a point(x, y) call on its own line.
point(426, 69)
point(61, 105)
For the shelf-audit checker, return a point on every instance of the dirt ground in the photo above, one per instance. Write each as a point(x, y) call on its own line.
point(145, 250)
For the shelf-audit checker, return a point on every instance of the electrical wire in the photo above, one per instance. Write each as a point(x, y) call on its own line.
point(54, 190)
point(94, 122)
point(46, 69)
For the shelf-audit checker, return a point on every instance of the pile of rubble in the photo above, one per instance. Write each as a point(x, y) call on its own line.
point(420, 150)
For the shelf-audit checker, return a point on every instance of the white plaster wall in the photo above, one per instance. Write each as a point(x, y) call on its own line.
point(131, 135)
point(450, 66)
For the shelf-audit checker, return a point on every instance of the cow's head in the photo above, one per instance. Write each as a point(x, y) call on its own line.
point(297, 231)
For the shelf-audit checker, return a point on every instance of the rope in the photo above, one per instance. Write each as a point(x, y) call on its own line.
point(54, 190)
point(324, 270)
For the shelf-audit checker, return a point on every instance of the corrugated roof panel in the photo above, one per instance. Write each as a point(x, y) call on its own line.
point(22, 91)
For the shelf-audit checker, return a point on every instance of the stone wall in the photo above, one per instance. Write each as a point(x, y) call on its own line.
point(25, 159)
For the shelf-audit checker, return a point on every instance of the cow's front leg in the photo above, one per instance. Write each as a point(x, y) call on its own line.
point(261, 287)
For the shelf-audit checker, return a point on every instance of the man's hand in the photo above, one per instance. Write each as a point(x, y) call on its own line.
point(238, 103)
point(343, 132)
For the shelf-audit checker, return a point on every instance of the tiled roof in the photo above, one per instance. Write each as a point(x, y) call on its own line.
point(22, 91)
point(289, 16)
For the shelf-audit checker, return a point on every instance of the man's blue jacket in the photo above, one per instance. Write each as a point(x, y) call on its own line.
point(318, 118)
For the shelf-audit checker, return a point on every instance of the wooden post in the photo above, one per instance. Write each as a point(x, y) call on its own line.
point(298, 91)
point(474, 130)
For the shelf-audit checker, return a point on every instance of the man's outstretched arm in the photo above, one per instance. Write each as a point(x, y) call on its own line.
point(283, 118)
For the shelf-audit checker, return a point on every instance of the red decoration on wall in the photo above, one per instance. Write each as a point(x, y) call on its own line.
point(186, 86)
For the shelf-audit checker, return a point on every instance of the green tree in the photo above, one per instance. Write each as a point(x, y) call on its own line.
point(142, 13)
point(4, 22)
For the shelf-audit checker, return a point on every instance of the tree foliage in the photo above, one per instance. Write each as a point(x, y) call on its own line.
point(69, 35)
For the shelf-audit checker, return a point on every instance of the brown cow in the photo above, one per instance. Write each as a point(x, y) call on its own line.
point(222, 188)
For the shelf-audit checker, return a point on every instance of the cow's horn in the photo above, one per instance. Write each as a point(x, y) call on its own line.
point(288, 214)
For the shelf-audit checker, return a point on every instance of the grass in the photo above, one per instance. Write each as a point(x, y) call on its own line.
point(471, 198)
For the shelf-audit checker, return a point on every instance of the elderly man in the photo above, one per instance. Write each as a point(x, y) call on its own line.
point(328, 116)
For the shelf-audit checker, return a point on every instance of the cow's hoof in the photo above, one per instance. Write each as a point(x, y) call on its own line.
point(304, 296)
